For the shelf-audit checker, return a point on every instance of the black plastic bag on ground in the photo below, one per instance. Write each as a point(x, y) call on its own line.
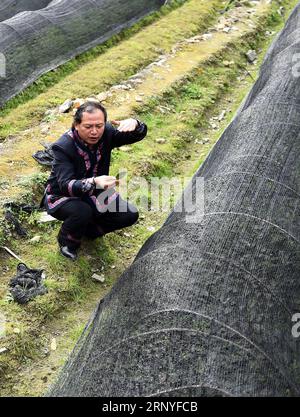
point(45, 157)
point(27, 284)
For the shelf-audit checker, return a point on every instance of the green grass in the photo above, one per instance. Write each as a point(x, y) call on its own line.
point(54, 76)
point(76, 332)
point(140, 46)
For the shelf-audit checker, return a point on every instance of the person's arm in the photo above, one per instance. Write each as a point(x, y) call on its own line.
point(64, 170)
point(71, 187)
point(127, 132)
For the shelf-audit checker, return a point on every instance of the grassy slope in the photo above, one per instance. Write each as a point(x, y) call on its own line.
point(18, 154)
point(114, 64)
point(197, 96)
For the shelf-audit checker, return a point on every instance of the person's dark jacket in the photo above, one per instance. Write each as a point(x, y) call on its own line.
point(74, 162)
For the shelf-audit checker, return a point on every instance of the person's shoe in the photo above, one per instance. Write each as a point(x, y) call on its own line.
point(68, 253)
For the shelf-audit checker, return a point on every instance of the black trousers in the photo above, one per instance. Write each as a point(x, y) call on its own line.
point(81, 219)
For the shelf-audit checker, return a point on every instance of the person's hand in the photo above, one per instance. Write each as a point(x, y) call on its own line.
point(128, 125)
point(105, 182)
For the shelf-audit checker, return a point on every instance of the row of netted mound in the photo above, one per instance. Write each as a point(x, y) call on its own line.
point(206, 307)
point(9, 8)
point(33, 42)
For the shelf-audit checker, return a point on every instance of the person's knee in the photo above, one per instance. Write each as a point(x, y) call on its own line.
point(83, 213)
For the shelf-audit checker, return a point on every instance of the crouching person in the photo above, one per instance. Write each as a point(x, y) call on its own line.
point(80, 192)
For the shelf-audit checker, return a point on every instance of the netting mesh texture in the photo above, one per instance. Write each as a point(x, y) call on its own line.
point(205, 309)
point(33, 42)
point(9, 8)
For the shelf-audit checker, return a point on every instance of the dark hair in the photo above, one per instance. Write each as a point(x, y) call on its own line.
point(89, 107)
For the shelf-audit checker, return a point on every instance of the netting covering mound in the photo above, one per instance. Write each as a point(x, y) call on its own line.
point(33, 42)
point(206, 307)
point(9, 8)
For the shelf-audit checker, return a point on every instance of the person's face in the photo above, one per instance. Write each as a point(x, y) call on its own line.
point(91, 127)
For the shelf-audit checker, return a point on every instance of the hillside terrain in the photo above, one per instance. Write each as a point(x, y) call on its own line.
point(184, 73)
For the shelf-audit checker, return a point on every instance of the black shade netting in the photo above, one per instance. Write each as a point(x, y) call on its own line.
point(34, 42)
point(206, 307)
point(9, 8)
